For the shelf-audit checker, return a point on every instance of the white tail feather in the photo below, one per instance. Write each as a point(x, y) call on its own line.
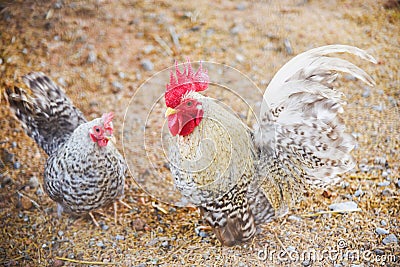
point(313, 65)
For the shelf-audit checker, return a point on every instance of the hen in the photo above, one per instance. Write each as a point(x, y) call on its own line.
point(240, 178)
point(84, 170)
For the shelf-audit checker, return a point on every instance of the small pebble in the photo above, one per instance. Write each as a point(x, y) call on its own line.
point(239, 58)
point(383, 223)
point(8, 157)
point(203, 234)
point(92, 57)
point(105, 227)
point(378, 108)
point(398, 183)
point(364, 167)
point(237, 29)
point(391, 99)
point(62, 81)
point(379, 252)
point(344, 206)
point(387, 192)
point(58, 263)
point(152, 242)
point(172, 209)
point(241, 6)
point(33, 182)
point(121, 75)
point(385, 174)
point(120, 237)
point(381, 231)
point(366, 93)
point(17, 165)
point(39, 191)
point(14, 144)
point(7, 180)
point(345, 185)
point(384, 183)
point(117, 85)
point(164, 244)
point(306, 263)
point(60, 233)
point(138, 224)
point(288, 46)
point(358, 193)
point(100, 244)
point(389, 239)
point(294, 218)
point(148, 49)
point(147, 65)
point(26, 203)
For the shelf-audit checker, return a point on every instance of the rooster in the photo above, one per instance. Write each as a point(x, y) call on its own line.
point(84, 170)
point(240, 178)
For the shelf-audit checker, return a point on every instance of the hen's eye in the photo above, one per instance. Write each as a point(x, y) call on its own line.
point(97, 129)
point(189, 103)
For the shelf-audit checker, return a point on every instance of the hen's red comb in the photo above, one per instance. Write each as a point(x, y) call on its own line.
point(184, 82)
point(107, 118)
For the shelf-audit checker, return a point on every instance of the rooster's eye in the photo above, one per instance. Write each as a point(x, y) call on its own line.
point(189, 103)
point(97, 129)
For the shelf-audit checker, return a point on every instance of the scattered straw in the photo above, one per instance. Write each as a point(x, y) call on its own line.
point(328, 212)
point(86, 262)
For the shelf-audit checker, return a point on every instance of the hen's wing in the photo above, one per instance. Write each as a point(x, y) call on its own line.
point(48, 116)
point(300, 135)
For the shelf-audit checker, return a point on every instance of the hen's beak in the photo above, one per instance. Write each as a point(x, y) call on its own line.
point(170, 111)
point(112, 138)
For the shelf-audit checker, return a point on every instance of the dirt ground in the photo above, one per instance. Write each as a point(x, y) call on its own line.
point(101, 52)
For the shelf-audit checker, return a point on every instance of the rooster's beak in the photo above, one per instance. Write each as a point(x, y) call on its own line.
point(170, 111)
point(112, 138)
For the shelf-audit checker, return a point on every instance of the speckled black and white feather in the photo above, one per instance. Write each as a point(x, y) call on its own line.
point(79, 175)
point(48, 116)
point(300, 139)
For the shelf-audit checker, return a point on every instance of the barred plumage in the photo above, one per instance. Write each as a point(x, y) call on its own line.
point(84, 171)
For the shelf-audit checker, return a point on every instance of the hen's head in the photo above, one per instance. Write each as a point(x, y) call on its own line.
point(102, 132)
point(184, 113)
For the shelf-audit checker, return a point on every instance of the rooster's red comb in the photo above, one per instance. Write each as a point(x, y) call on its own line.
point(107, 118)
point(184, 82)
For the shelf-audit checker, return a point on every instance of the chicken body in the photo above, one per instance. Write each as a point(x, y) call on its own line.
point(84, 171)
point(299, 140)
point(218, 157)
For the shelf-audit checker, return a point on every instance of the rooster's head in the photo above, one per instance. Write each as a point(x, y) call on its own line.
point(184, 113)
